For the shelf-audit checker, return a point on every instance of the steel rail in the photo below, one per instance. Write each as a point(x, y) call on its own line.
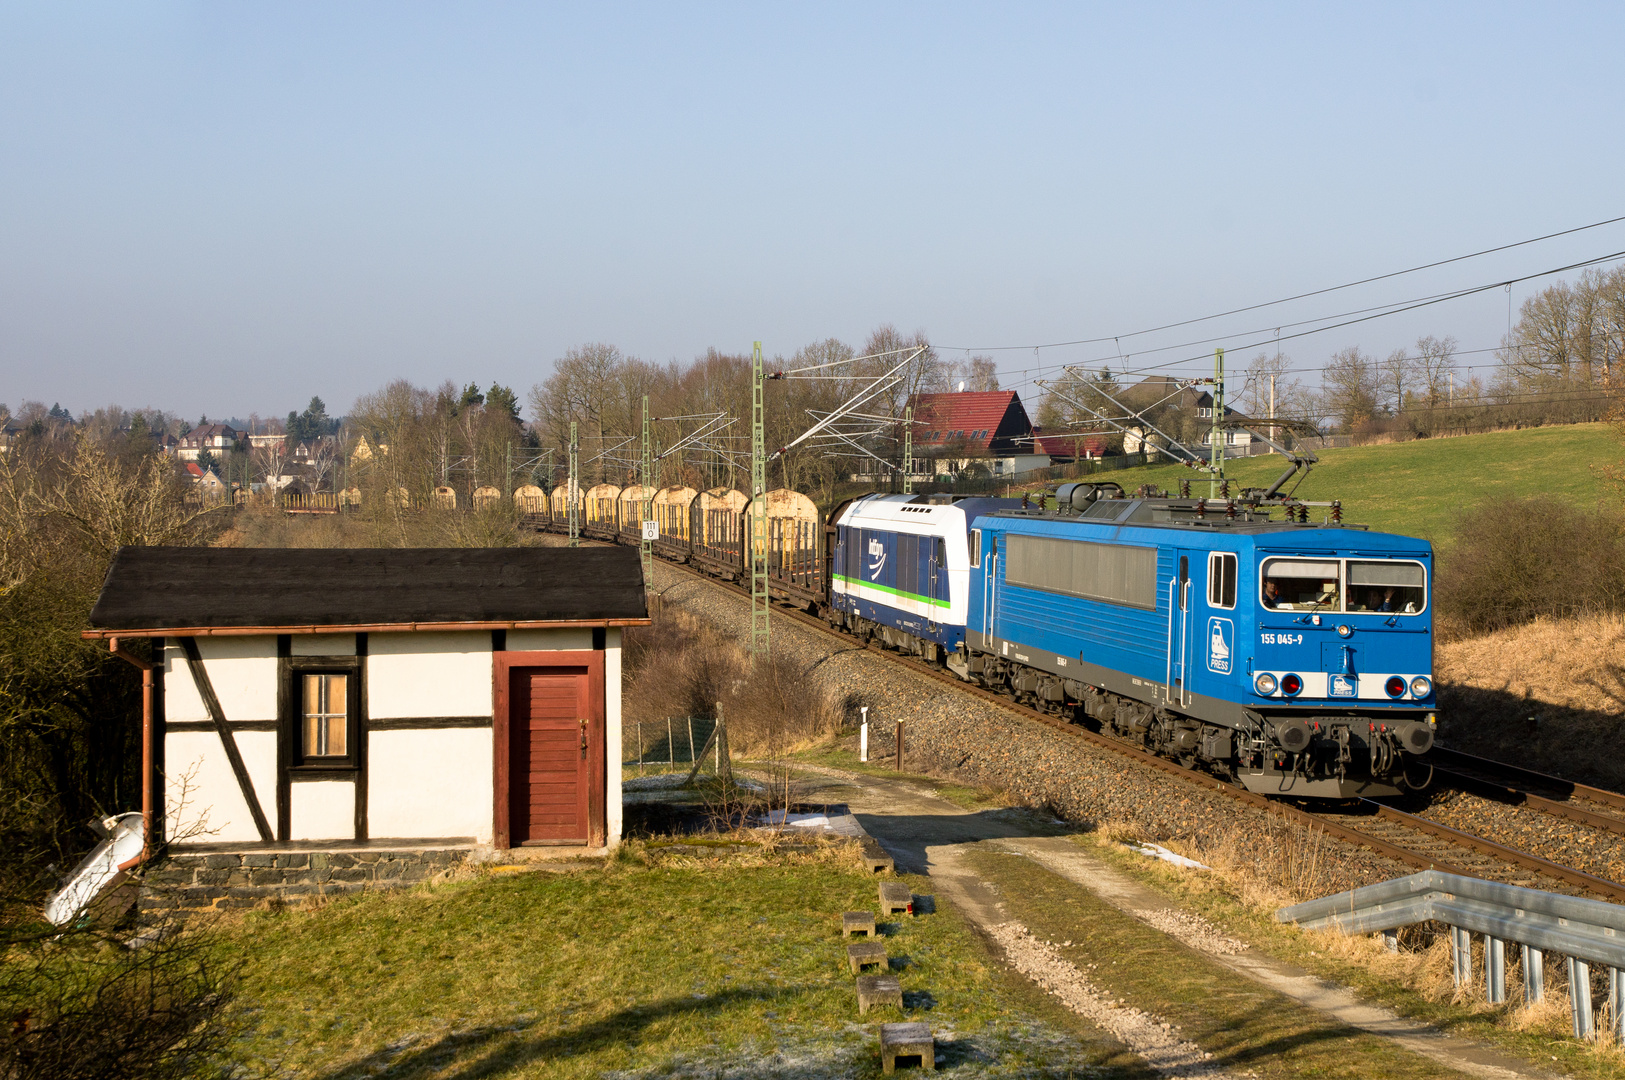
point(1513, 796)
point(1204, 781)
point(1520, 775)
point(1501, 851)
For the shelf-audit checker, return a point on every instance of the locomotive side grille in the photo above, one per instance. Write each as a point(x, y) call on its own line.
point(1116, 573)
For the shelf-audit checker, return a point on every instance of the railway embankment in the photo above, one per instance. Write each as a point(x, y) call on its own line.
point(970, 739)
point(1560, 708)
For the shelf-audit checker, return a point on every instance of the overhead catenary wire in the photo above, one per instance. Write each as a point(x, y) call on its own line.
point(1298, 296)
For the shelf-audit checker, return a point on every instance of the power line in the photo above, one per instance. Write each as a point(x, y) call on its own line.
point(1299, 296)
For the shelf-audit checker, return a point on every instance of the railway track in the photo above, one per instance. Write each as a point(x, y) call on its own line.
point(1384, 830)
point(1516, 786)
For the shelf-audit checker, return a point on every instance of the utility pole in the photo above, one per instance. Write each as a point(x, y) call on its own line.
point(1452, 389)
point(1217, 435)
point(647, 543)
point(908, 450)
point(759, 643)
point(1273, 433)
point(572, 488)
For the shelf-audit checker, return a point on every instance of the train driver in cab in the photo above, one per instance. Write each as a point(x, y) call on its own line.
point(1272, 593)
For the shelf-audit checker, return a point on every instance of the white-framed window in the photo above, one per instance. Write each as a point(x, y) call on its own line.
point(1221, 579)
point(975, 548)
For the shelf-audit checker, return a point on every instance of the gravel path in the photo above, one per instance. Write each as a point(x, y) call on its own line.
point(963, 737)
point(1152, 1039)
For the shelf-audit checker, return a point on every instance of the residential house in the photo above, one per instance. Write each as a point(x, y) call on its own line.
point(206, 480)
point(215, 438)
point(989, 427)
point(1183, 411)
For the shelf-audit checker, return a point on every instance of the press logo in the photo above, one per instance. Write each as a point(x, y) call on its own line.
point(1221, 639)
point(877, 558)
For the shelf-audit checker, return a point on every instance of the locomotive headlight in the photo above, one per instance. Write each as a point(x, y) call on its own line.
point(1344, 629)
point(1264, 684)
point(1291, 685)
point(1421, 686)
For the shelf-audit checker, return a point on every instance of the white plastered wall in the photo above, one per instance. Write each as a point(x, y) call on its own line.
point(549, 640)
point(203, 802)
point(612, 733)
point(416, 675)
point(322, 810)
point(200, 788)
point(434, 782)
point(429, 782)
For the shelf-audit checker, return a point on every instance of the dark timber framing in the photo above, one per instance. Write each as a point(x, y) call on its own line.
point(291, 766)
point(205, 689)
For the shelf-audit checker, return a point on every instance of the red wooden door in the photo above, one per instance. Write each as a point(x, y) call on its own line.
point(550, 759)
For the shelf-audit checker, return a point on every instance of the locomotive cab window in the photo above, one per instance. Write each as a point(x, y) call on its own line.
point(1221, 580)
point(1302, 585)
point(1398, 587)
point(975, 548)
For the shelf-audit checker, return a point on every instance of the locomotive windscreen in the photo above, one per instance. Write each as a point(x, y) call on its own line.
point(1116, 573)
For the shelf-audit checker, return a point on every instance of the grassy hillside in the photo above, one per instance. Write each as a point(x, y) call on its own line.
point(1416, 487)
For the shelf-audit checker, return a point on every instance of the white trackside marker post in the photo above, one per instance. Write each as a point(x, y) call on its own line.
point(863, 736)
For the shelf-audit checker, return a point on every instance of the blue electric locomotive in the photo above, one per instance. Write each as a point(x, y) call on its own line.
point(1296, 658)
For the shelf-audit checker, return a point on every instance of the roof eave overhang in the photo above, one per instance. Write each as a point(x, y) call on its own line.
point(359, 628)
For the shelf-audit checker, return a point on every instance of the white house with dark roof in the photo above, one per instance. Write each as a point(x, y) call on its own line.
point(340, 698)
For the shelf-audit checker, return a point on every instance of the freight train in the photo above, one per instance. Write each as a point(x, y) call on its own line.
point(1292, 657)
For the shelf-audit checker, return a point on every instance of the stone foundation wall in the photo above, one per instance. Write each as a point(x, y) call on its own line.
point(227, 881)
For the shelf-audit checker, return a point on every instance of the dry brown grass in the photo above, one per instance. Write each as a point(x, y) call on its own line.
point(1550, 693)
point(487, 527)
point(681, 666)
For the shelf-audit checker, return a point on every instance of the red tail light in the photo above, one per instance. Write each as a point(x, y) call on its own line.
point(1291, 684)
point(1395, 686)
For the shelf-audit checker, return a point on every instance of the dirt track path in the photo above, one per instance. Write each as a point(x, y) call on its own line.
point(927, 834)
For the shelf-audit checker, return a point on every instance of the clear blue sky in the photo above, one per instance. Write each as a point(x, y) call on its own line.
point(224, 208)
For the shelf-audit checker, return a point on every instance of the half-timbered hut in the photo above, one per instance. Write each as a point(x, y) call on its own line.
point(431, 698)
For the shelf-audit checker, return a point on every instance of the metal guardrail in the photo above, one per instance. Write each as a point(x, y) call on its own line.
point(1584, 932)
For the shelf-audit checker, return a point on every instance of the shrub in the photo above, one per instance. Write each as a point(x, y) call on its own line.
point(1516, 560)
point(681, 666)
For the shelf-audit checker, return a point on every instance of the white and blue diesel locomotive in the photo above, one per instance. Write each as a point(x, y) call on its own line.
point(1295, 658)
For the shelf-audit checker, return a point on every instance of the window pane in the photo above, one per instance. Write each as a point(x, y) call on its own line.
point(325, 721)
point(1302, 585)
point(1384, 586)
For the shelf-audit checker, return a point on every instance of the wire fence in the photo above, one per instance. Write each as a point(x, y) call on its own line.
point(650, 746)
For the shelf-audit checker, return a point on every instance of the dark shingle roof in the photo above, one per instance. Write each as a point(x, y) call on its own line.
point(171, 588)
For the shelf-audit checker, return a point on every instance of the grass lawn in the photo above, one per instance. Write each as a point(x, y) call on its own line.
point(1216, 899)
point(668, 968)
point(1416, 488)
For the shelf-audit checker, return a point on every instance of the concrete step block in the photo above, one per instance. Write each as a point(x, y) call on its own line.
point(894, 897)
point(879, 990)
point(858, 922)
point(863, 953)
point(907, 1040)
